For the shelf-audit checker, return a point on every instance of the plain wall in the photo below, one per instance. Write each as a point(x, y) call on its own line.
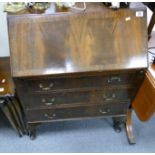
point(4, 45)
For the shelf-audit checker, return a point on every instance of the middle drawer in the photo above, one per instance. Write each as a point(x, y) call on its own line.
point(61, 99)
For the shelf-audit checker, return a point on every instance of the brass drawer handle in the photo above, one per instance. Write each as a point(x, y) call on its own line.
point(113, 96)
point(104, 111)
point(50, 116)
point(46, 88)
point(114, 79)
point(51, 102)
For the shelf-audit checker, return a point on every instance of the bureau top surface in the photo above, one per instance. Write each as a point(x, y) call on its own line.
point(95, 40)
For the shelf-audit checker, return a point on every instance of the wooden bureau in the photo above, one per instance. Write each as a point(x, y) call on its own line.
point(78, 65)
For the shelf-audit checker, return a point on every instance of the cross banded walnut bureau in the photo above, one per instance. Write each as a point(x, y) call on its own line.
point(79, 65)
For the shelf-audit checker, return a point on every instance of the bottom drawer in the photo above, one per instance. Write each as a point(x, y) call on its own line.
point(45, 115)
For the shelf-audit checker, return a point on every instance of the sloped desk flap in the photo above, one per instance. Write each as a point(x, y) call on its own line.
point(97, 39)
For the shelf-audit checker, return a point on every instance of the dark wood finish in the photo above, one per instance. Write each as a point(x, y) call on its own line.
point(78, 65)
point(49, 84)
point(44, 115)
point(144, 102)
point(71, 99)
point(78, 42)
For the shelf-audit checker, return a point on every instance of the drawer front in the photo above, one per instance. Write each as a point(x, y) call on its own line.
point(44, 115)
point(78, 98)
point(61, 84)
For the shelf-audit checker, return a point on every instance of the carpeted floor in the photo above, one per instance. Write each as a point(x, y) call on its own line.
point(95, 135)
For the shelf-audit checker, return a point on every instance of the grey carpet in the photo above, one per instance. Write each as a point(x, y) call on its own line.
point(93, 135)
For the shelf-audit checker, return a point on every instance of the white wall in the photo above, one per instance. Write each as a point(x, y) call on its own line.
point(4, 47)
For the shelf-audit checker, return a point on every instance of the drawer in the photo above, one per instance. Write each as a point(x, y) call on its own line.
point(78, 98)
point(44, 115)
point(90, 82)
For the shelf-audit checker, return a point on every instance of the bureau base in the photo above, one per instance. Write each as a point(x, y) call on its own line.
point(118, 123)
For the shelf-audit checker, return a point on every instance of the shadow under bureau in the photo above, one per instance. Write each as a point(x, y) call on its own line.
point(78, 65)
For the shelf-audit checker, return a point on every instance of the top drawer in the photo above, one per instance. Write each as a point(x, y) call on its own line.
point(43, 84)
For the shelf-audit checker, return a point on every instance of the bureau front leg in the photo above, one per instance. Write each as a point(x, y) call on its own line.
point(129, 128)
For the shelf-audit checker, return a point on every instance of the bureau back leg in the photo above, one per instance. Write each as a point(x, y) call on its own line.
point(129, 129)
point(32, 131)
point(117, 123)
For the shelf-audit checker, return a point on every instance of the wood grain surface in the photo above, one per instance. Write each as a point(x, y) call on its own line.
point(144, 102)
point(95, 40)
